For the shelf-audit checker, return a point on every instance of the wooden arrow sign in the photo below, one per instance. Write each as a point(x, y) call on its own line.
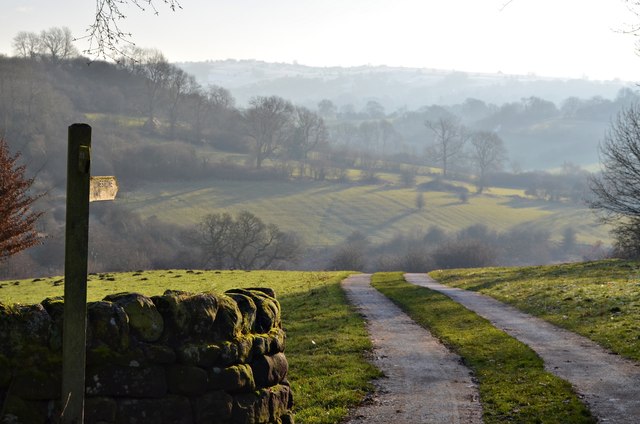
point(103, 188)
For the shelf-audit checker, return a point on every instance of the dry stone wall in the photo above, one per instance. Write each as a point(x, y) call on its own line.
point(176, 358)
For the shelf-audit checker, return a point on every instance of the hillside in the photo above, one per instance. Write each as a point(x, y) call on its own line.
point(542, 141)
point(394, 87)
point(180, 154)
point(324, 214)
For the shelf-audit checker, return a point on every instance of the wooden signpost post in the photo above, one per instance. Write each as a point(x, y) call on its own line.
point(81, 188)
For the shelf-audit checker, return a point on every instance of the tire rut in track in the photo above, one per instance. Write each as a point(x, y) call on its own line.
point(609, 383)
point(424, 382)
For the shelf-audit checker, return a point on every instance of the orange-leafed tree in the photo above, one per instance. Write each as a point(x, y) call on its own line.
point(17, 218)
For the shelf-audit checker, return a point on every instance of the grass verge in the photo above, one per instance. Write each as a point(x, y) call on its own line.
point(326, 339)
point(599, 300)
point(513, 384)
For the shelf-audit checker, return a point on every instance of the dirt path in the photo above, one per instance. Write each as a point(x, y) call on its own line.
point(425, 383)
point(609, 383)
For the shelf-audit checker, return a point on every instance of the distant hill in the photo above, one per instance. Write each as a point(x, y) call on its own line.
point(393, 87)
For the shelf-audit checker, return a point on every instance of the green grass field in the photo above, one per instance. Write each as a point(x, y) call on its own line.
point(513, 385)
point(325, 213)
point(327, 344)
point(600, 300)
point(326, 339)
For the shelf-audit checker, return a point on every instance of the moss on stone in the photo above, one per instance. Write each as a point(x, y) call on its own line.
point(107, 324)
point(203, 355)
point(5, 372)
point(247, 308)
point(55, 308)
point(267, 309)
point(28, 411)
point(186, 315)
point(144, 319)
point(229, 320)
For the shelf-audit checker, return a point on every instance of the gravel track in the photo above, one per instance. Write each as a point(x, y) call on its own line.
point(609, 383)
point(424, 382)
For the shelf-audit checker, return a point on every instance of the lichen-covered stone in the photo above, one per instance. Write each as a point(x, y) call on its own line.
point(245, 349)
point(139, 382)
point(102, 354)
point(107, 324)
point(285, 382)
point(30, 384)
point(250, 408)
point(269, 370)
point(277, 340)
point(279, 401)
point(266, 290)
point(144, 319)
point(23, 328)
point(17, 410)
point(3, 396)
point(236, 378)
point(172, 409)
point(202, 355)
point(6, 324)
point(209, 364)
point(187, 315)
point(228, 324)
point(261, 345)
point(287, 418)
point(55, 308)
point(100, 410)
point(267, 309)
point(213, 407)
point(158, 354)
point(186, 380)
point(236, 352)
point(247, 308)
point(5, 372)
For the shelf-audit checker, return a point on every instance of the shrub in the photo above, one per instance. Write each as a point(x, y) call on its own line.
point(464, 254)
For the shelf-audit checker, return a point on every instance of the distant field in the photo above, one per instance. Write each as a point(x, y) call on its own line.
point(600, 300)
point(325, 213)
point(326, 338)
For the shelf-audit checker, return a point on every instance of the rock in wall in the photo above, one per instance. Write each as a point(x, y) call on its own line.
point(176, 358)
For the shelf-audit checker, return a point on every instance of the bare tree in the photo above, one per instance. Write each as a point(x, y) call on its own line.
point(327, 109)
point(220, 97)
point(450, 138)
point(388, 135)
point(374, 109)
point(309, 132)
point(105, 36)
point(215, 232)
point(352, 254)
point(488, 154)
point(180, 85)
point(616, 189)
point(27, 44)
point(245, 242)
point(17, 219)
point(57, 43)
point(156, 70)
point(268, 121)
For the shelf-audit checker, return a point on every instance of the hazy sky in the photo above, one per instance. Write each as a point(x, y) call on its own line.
point(564, 38)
